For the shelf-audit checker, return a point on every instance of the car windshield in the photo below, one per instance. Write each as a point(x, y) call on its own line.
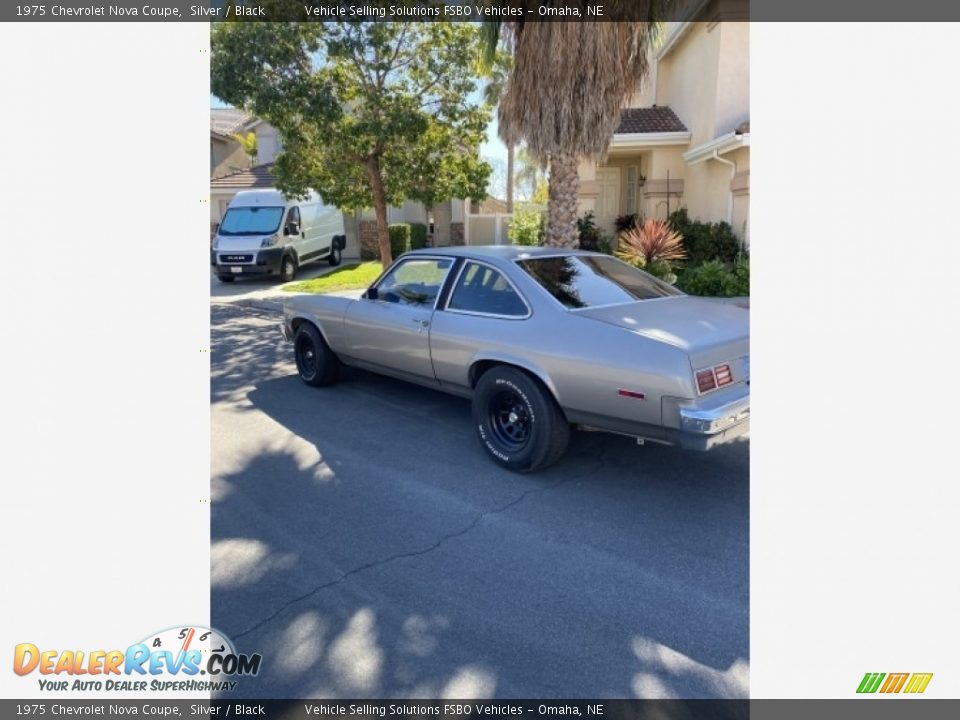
point(251, 221)
point(582, 281)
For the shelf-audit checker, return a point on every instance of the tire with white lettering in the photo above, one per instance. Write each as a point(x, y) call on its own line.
point(316, 362)
point(518, 421)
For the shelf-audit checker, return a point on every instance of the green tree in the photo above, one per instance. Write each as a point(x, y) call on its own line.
point(496, 72)
point(531, 175)
point(565, 90)
point(249, 144)
point(371, 113)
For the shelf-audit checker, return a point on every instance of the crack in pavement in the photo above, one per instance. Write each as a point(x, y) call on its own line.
point(417, 553)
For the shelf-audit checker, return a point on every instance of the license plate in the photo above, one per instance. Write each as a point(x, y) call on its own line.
point(236, 269)
point(746, 369)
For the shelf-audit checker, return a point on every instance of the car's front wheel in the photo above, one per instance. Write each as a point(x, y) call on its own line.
point(316, 362)
point(518, 421)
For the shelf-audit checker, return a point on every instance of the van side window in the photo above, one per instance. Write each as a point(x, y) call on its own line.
point(293, 218)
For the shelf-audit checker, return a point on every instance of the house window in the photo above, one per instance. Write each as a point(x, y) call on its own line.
point(633, 174)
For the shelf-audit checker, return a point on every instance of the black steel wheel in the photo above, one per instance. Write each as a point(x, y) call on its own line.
point(335, 256)
point(316, 362)
point(518, 421)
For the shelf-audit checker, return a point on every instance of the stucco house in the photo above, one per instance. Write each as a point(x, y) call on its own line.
point(226, 154)
point(684, 137)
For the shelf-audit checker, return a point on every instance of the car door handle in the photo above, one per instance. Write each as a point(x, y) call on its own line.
point(422, 323)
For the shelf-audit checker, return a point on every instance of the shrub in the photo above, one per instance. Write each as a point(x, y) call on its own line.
point(418, 236)
point(588, 232)
point(526, 227)
point(625, 223)
point(653, 241)
point(706, 241)
point(399, 238)
point(711, 279)
point(740, 279)
point(661, 269)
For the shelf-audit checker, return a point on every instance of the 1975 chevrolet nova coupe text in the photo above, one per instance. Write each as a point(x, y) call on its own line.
point(540, 339)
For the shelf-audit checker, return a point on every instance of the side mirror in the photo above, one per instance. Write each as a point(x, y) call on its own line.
point(371, 294)
point(216, 228)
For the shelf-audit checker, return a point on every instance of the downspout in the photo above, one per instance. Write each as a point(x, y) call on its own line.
point(733, 172)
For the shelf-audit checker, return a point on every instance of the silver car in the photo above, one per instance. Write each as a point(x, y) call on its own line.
point(541, 339)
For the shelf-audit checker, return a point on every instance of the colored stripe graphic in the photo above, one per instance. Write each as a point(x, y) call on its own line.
point(894, 682)
point(870, 682)
point(918, 682)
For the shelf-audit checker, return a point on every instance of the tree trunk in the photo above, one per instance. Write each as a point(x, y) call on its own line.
point(510, 178)
point(562, 207)
point(380, 208)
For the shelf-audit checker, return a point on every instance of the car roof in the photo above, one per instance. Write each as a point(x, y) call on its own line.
point(502, 252)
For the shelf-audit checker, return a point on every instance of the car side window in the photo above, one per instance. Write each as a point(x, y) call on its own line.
point(481, 289)
point(414, 282)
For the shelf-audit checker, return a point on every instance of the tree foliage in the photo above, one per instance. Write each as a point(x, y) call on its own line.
point(371, 113)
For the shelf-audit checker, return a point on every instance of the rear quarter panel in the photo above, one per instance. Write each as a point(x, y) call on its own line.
point(582, 361)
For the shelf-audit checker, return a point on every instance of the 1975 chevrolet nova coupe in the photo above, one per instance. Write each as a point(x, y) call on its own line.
point(540, 339)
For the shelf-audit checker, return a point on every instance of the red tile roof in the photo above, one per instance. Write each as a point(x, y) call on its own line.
point(260, 176)
point(656, 119)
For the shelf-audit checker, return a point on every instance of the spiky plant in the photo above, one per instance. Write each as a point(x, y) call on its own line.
point(651, 242)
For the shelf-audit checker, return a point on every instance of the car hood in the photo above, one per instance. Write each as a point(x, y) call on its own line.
point(695, 325)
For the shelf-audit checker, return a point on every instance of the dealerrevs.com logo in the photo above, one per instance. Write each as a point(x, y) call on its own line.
point(178, 659)
point(910, 683)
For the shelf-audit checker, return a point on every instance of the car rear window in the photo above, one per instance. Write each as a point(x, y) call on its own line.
point(582, 281)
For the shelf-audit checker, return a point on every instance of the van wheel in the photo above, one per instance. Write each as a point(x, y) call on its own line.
point(335, 256)
point(518, 422)
point(288, 269)
point(226, 278)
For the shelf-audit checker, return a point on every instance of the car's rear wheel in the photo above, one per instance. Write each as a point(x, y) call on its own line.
point(316, 362)
point(335, 256)
point(226, 278)
point(288, 268)
point(518, 421)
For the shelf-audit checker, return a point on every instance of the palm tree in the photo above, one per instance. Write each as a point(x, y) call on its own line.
point(565, 90)
point(497, 71)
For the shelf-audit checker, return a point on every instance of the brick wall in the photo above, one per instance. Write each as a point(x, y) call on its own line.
point(456, 233)
point(369, 248)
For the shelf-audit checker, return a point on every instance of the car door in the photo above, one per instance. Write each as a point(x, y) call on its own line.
point(389, 329)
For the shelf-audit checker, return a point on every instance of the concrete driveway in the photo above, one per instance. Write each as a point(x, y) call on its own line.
point(362, 542)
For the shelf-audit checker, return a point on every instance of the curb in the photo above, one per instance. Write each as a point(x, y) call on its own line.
point(271, 306)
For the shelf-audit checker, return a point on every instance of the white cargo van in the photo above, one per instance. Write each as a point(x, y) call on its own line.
point(265, 233)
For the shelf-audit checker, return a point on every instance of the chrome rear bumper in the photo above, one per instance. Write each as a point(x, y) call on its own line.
point(709, 424)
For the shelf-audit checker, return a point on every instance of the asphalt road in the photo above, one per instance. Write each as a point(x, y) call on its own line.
point(363, 544)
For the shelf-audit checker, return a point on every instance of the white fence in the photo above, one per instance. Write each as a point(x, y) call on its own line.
point(487, 229)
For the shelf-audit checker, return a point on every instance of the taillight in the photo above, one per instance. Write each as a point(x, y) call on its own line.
point(706, 381)
point(713, 378)
point(724, 376)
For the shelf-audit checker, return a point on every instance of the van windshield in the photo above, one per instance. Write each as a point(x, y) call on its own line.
point(251, 221)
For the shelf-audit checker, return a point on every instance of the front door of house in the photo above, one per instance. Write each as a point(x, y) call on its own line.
point(608, 197)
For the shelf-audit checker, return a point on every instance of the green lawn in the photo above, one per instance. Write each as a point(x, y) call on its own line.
point(353, 277)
